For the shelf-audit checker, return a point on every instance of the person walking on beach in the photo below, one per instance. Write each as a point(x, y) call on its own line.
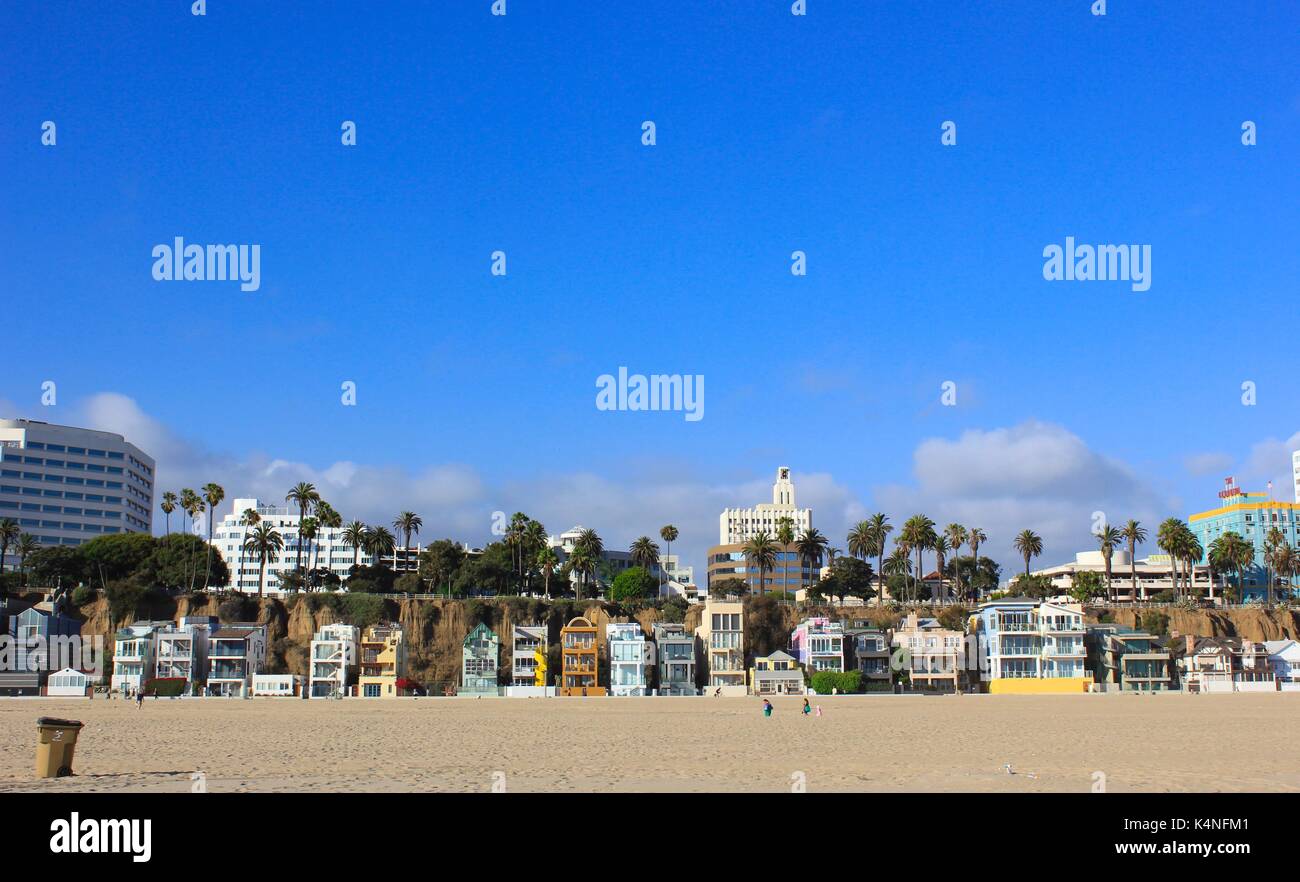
point(767, 708)
point(807, 708)
point(139, 699)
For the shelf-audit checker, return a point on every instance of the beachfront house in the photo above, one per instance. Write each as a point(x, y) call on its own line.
point(382, 662)
point(135, 651)
point(41, 641)
point(579, 659)
point(334, 654)
point(1027, 645)
point(528, 655)
point(631, 658)
point(1129, 660)
point(867, 650)
point(932, 656)
point(181, 650)
point(479, 659)
point(674, 660)
point(1222, 664)
point(721, 639)
point(776, 674)
point(68, 683)
point(1284, 658)
point(819, 645)
point(235, 653)
point(277, 685)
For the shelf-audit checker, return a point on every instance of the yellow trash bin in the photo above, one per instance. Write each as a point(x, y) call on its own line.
point(55, 742)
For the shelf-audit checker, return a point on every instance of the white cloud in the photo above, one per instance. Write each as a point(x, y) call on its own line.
point(1270, 460)
point(1202, 464)
point(1036, 476)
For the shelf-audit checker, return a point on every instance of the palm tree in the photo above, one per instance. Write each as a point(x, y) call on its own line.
point(899, 563)
point(1109, 537)
point(27, 544)
point(589, 541)
point(265, 543)
point(582, 562)
point(354, 536)
point(1030, 545)
point(1230, 552)
point(303, 495)
point(1168, 537)
point(956, 536)
point(1192, 553)
point(249, 518)
point(918, 533)
point(193, 505)
point(308, 529)
point(760, 551)
point(1134, 534)
point(213, 494)
point(668, 533)
point(534, 540)
point(940, 547)
point(329, 519)
point(645, 553)
point(974, 536)
point(878, 530)
point(9, 533)
point(547, 561)
point(379, 542)
point(1272, 540)
point(1286, 561)
point(407, 522)
point(515, 539)
point(811, 546)
point(168, 506)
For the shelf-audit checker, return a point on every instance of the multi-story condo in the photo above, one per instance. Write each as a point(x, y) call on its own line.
point(326, 552)
point(722, 640)
point(1026, 645)
point(579, 659)
point(1133, 661)
point(65, 486)
point(818, 645)
point(935, 656)
point(382, 664)
point(181, 650)
point(674, 659)
point(868, 654)
point(235, 653)
point(41, 641)
point(528, 656)
point(479, 659)
point(1253, 516)
point(1223, 664)
point(135, 654)
point(333, 657)
point(631, 658)
point(776, 674)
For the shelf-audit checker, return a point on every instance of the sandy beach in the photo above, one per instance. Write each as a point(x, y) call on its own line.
point(881, 743)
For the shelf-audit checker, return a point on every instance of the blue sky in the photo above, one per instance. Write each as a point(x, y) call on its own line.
point(775, 133)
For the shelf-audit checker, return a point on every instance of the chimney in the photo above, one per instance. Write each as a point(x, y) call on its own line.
point(911, 621)
point(1191, 643)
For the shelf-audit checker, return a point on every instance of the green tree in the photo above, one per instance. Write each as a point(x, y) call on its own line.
point(213, 495)
point(547, 561)
point(811, 546)
point(760, 551)
point(634, 583)
point(169, 562)
point(440, 562)
point(168, 506)
point(407, 523)
point(730, 587)
point(1086, 585)
point(304, 495)
point(9, 533)
point(645, 553)
point(1030, 546)
point(1133, 534)
point(974, 536)
point(354, 536)
point(1109, 537)
point(116, 556)
point(264, 544)
point(668, 533)
point(27, 546)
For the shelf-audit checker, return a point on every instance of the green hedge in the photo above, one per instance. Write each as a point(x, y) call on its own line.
point(165, 687)
point(827, 682)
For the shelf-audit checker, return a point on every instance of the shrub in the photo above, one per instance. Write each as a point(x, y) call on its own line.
point(165, 687)
point(827, 682)
point(1154, 622)
point(82, 595)
point(362, 610)
point(237, 609)
point(124, 599)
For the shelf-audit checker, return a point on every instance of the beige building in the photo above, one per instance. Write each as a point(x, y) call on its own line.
point(722, 639)
point(935, 657)
point(737, 526)
point(382, 662)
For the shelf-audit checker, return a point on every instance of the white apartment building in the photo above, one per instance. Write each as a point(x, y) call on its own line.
point(326, 551)
point(135, 650)
point(65, 485)
point(181, 650)
point(333, 655)
point(737, 526)
point(527, 641)
point(631, 656)
point(236, 653)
